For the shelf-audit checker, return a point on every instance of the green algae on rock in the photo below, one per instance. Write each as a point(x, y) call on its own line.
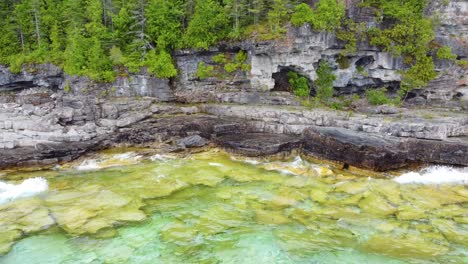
point(212, 208)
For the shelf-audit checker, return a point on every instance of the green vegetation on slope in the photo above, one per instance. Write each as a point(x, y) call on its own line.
point(300, 84)
point(102, 38)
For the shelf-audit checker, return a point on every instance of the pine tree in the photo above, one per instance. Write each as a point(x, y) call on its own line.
point(99, 65)
point(10, 43)
point(122, 23)
point(238, 11)
point(165, 23)
point(208, 25)
point(256, 9)
point(277, 15)
point(75, 52)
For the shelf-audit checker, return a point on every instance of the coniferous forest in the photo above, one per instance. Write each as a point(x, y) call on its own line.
point(96, 37)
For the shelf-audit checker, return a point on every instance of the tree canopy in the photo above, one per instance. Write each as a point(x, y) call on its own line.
point(98, 38)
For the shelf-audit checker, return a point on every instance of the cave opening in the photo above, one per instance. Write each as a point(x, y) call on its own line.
point(282, 80)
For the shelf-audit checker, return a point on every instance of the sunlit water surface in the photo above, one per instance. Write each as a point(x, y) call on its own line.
point(214, 208)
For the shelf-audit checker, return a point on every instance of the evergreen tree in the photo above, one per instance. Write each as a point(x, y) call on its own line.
point(10, 43)
point(89, 37)
point(165, 23)
point(75, 52)
point(122, 23)
point(328, 14)
point(238, 11)
point(277, 15)
point(208, 25)
point(257, 9)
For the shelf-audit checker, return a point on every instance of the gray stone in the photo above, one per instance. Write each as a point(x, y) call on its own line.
point(192, 142)
point(259, 144)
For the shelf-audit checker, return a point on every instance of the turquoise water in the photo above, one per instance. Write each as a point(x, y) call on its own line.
point(213, 208)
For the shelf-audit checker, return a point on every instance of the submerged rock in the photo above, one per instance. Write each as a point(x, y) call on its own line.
point(376, 205)
point(408, 246)
point(205, 205)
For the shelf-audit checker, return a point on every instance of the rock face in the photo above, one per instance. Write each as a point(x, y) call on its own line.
point(409, 124)
point(380, 153)
point(453, 29)
point(303, 49)
point(259, 144)
point(124, 86)
point(44, 154)
point(354, 148)
point(301, 52)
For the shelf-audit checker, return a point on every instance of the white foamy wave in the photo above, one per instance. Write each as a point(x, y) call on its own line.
point(109, 161)
point(28, 188)
point(127, 156)
point(248, 161)
point(435, 175)
point(298, 162)
point(161, 157)
point(252, 161)
point(215, 164)
point(88, 165)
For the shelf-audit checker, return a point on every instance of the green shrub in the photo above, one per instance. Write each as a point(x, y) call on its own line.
point(237, 64)
point(231, 67)
point(116, 56)
point(246, 67)
point(208, 24)
point(445, 53)
point(302, 14)
point(299, 84)
point(324, 81)
point(418, 76)
point(241, 57)
point(204, 71)
point(410, 36)
point(67, 87)
point(350, 33)
point(377, 96)
point(328, 15)
point(160, 64)
point(336, 105)
point(16, 62)
point(220, 59)
point(462, 63)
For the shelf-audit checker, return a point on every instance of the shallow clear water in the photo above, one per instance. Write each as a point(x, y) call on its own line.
point(213, 208)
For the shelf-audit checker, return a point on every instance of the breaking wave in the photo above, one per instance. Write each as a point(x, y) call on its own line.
point(436, 175)
point(107, 161)
point(28, 188)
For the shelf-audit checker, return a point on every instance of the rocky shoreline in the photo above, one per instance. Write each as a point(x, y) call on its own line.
point(375, 142)
point(40, 126)
point(48, 117)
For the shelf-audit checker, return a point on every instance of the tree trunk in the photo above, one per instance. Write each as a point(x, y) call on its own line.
point(38, 32)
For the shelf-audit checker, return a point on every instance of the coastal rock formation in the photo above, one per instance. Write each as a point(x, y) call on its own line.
point(259, 144)
point(408, 124)
point(70, 127)
point(377, 152)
